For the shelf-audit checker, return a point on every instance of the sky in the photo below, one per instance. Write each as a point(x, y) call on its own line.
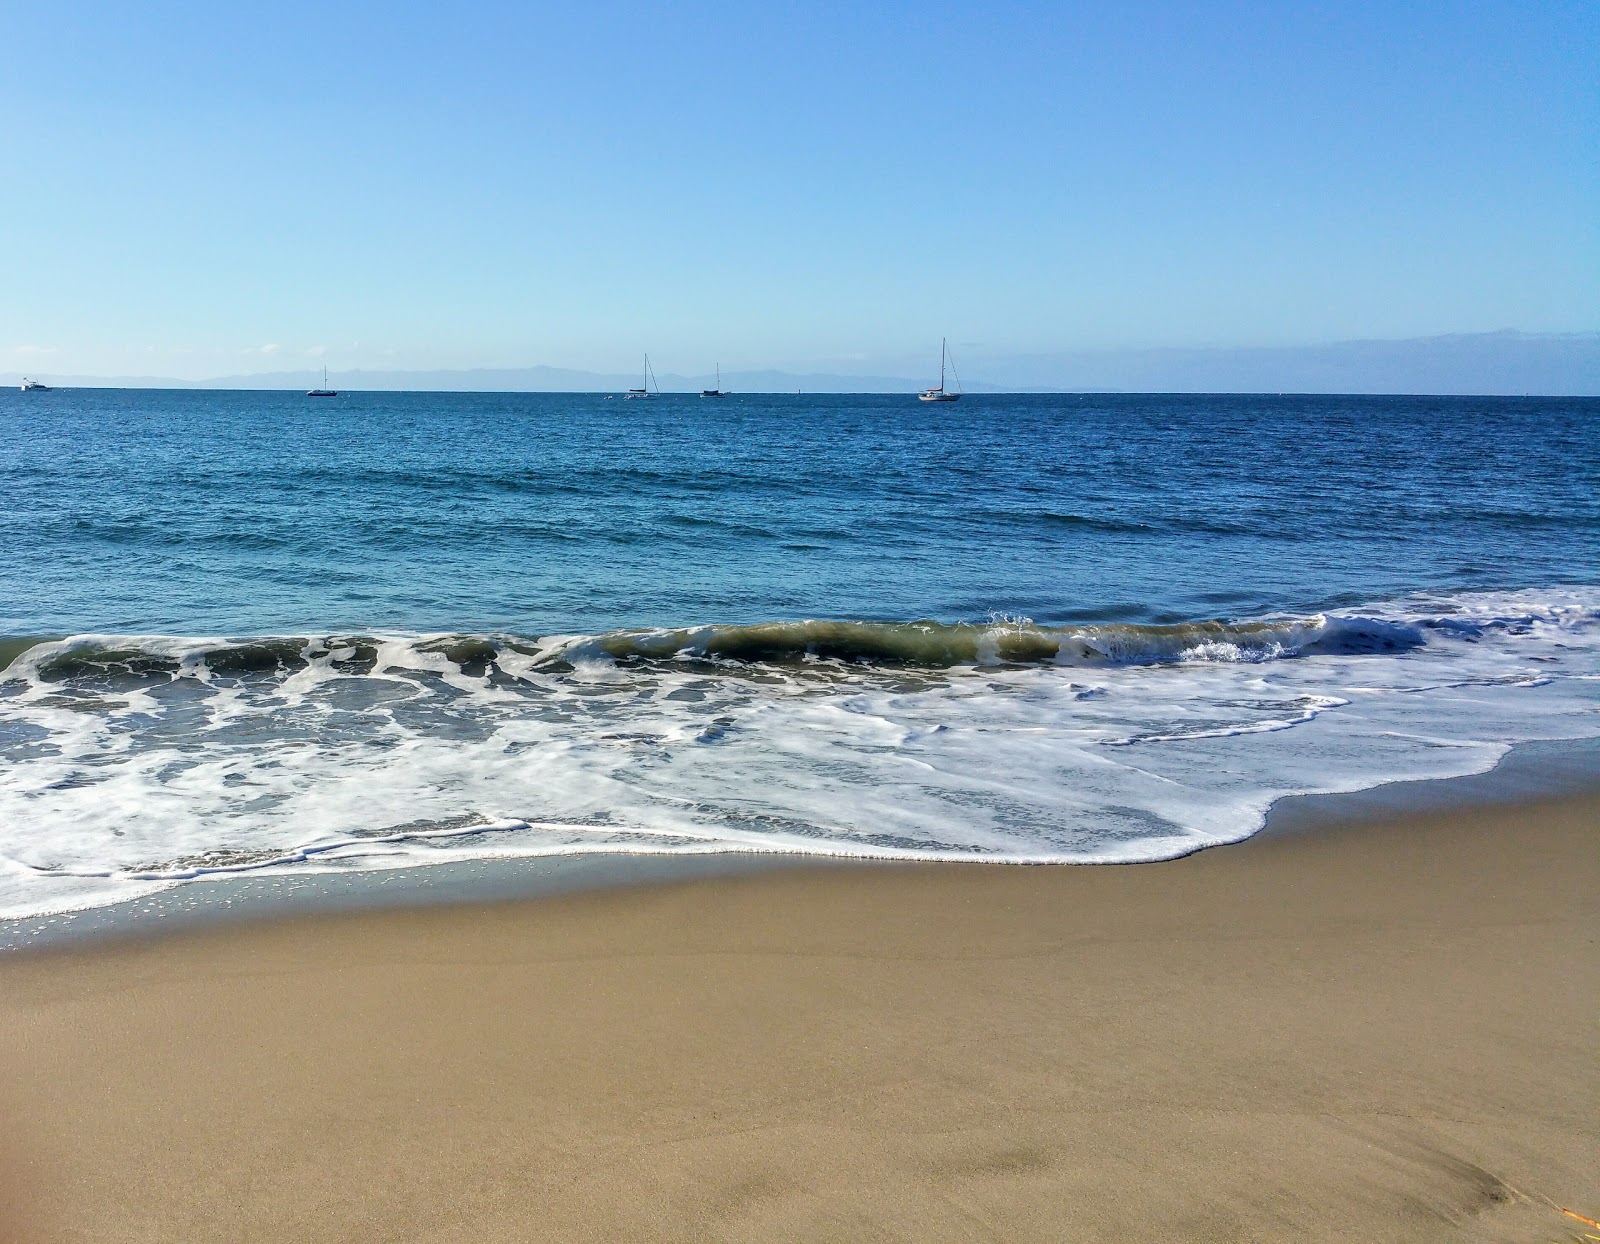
point(199, 189)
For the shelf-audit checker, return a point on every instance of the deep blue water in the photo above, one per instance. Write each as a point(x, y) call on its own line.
point(254, 631)
point(248, 513)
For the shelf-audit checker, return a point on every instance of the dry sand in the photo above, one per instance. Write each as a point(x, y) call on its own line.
point(1386, 1032)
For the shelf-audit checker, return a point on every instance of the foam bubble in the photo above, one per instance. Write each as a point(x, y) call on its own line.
point(133, 763)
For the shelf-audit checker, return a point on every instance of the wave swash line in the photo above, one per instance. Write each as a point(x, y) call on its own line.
point(133, 763)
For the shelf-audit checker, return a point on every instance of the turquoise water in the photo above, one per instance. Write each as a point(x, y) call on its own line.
point(246, 631)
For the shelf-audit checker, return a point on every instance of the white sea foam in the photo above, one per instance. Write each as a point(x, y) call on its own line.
point(128, 764)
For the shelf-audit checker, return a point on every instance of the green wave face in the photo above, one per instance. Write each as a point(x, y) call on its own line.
point(920, 644)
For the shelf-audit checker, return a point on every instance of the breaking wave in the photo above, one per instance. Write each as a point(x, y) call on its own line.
point(925, 644)
point(136, 762)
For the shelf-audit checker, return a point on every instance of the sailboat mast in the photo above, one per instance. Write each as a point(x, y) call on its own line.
point(941, 364)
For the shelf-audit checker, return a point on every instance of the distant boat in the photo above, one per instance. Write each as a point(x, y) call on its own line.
point(651, 388)
point(940, 394)
point(34, 386)
point(716, 392)
point(324, 391)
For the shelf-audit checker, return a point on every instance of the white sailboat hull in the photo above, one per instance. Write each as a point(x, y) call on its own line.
point(939, 393)
point(649, 389)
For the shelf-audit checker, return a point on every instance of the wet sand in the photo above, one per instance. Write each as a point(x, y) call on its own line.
point(1381, 1032)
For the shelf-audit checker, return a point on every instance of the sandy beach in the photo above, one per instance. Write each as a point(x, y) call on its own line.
point(1381, 1032)
point(752, 624)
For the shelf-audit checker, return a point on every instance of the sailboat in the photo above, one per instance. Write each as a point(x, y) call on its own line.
point(324, 391)
point(940, 394)
point(716, 392)
point(651, 388)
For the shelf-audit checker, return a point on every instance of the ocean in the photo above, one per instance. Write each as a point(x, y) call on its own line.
point(259, 633)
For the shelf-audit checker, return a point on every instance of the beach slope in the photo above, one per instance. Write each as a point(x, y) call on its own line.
point(1378, 1033)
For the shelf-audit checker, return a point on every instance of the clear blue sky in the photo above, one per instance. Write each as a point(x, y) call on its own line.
point(199, 189)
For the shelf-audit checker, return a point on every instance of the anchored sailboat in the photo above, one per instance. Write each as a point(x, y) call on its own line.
point(716, 392)
point(941, 394)
point(651, 388)
point(324, 391)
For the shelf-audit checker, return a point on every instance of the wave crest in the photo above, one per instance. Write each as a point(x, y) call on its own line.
point(923, 644)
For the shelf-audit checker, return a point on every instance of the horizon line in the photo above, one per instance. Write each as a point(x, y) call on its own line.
point(200, 387)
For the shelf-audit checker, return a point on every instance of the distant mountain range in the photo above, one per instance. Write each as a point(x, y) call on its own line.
point(539, 379)
point(1556, 364)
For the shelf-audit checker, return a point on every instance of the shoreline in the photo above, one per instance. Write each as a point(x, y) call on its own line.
point(1527, 772)
point(1375, 1034)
